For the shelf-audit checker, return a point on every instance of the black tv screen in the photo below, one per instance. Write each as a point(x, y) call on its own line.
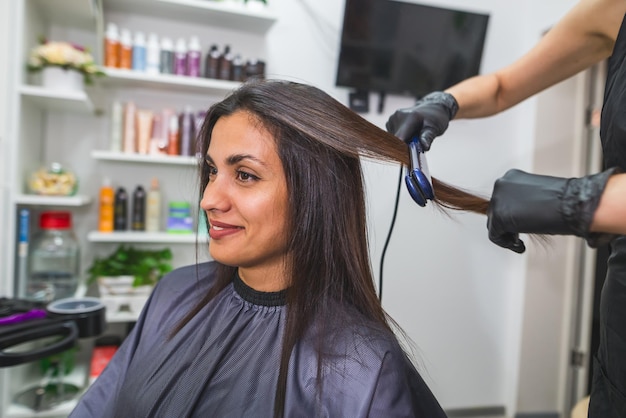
point(407, 48)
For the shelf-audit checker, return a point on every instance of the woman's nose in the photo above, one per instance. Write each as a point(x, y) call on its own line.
point(215, 196)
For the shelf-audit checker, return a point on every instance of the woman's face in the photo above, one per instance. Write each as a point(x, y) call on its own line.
point(246, 200)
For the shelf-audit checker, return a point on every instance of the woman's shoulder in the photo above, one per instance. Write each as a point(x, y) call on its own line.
point(186, 280)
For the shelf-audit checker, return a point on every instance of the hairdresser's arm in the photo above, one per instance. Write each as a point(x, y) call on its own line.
point(611, 213)
point(584, 36)
point(592, 207)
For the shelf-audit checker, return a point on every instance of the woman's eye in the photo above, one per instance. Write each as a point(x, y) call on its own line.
point(211, 169)
point(245, 176)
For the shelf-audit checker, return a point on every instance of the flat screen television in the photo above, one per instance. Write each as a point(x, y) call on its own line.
point(409, 49)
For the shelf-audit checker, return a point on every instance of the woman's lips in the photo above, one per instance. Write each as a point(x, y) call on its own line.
point(219, 230)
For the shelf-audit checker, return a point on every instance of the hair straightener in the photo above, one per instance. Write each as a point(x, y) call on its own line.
point(418, 180)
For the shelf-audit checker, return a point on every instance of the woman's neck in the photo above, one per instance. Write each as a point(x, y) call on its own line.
point(264, 279)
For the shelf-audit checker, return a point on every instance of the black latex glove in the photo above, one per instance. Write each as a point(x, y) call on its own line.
point(531, 203)
point(429, 118)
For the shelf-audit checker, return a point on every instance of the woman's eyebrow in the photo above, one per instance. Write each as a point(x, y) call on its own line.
point(236, 158)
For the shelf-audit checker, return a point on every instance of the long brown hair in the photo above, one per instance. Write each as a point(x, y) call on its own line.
point(320, 143)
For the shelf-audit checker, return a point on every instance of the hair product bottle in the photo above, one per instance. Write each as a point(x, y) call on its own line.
point(180, 57)
point(139, 52)
point(153, 207)
point(138, 222)
point(111, 46)
point(212, 63)
point(128, 140)
point(126, 50)
point(167, 56)
point(187, 142)
point(120, 218)
point(117, 115)
point(107, 203)
point(226, 64)
point(173, 139)
point(153, 55)
point(194, 55)
point(238, 73)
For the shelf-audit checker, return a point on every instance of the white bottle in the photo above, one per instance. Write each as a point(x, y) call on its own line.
point(153, 207)
point(194, 56)
point(153, 54)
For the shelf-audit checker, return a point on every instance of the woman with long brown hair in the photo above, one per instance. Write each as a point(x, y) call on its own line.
point(286, 320)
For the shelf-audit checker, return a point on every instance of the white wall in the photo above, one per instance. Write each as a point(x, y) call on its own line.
point(459, 297)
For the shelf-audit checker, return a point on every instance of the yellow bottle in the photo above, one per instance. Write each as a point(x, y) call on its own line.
point(107, 199)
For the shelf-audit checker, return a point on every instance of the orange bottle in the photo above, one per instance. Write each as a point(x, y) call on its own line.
point(112, 46)
point(107, 200)
point(126, 50)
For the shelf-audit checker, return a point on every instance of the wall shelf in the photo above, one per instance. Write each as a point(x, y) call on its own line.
point(63, 201)
point(61, 100)
point(226, 14)
point(116, 77)
point(142, 158)
point(145, 237)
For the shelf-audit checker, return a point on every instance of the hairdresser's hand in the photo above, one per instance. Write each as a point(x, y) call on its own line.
point(530, 203)
point(429, 118)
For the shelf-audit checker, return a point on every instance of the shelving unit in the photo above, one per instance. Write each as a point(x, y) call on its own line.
point(226, 14)
point(143, 158)
point(49, 125)
point(67, 101)
point(144, 237)
point(59, 201)
point(118, 78)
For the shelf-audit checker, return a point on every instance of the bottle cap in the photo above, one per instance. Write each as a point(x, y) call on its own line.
point(167, 44)
point(153, 40)
point(112, 32)
point(140, 38)
point(194, 44)
point(181, 46)
point(55, 220)
point(173, 123)
point(126, 38)
point(154, 184)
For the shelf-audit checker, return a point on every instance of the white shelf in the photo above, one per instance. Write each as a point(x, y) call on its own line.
point(116, 77)
point(142, 158)
point(226, 14)
point(144, 237)
point(64, 100)
point(75, 13)
point(37, 200)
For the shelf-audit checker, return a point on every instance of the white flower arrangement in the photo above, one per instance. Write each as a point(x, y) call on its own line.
point(64, 55)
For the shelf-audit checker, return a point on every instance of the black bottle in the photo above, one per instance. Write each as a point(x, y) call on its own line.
point(120, 210)
point(138, 222)
point(238, 69)
point(212, 64)
point(226, 64)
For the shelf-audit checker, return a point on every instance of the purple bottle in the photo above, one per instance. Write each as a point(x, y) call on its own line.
point(180, 57)
point(193, 57)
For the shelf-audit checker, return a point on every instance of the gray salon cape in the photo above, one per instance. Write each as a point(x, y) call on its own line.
point(225, 362)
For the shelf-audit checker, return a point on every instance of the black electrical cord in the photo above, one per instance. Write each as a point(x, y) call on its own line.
point(393, 222)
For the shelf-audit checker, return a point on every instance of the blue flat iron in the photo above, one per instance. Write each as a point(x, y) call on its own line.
point(418, 180)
